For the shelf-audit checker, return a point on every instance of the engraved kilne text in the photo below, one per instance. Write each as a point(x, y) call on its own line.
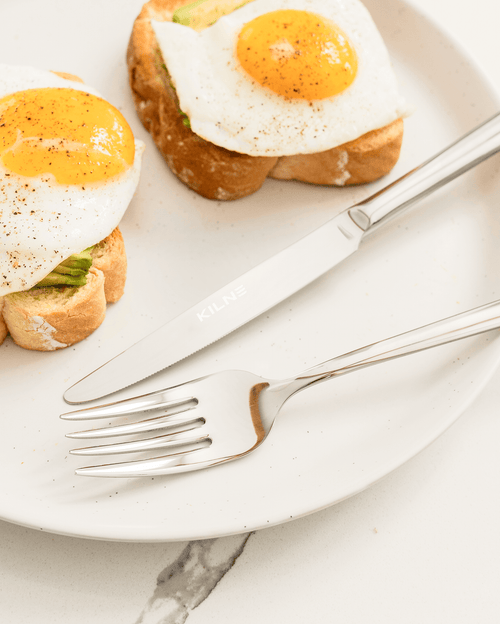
point(222, 303)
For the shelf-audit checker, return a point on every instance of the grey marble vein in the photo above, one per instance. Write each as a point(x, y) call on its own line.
point(188, 581)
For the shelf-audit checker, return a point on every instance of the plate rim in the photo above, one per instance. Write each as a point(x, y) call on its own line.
point(134, 537)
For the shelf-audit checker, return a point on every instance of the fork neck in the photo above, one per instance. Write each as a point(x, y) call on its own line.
point(470, 323)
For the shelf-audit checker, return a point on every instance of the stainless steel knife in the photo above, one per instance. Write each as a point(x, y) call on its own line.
point(280, 276)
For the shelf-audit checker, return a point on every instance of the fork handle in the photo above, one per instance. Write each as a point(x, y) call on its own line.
point(470, 323)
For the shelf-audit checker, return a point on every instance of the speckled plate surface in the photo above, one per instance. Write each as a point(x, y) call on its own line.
point(332, 441)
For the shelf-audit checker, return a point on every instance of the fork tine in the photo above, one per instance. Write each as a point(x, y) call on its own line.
point(183, 438)
point(154, 400)
point(144, 426)
point(167, 465)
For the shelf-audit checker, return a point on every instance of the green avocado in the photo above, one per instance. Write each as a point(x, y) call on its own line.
point(71, 272)
point(202, 13)
point(185, 118)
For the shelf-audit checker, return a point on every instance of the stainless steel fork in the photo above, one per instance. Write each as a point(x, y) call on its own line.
point(227, 415)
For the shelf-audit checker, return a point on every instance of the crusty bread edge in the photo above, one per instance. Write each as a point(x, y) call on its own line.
point(36, 323)
point(360, 161)
point(220, 174)
point(3, 327)
point(109, 256)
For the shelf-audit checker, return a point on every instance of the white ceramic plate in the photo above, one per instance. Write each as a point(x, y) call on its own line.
point(331, 441)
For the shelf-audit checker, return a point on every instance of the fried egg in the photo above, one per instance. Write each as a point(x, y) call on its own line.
point(69, 166)
point(283, 77)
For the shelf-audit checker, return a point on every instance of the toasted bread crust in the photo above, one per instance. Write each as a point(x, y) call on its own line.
point(357, 162)
point(217, 173)
point(3, 327)
point(67, 76)
point(52, 318)
point(109, 257)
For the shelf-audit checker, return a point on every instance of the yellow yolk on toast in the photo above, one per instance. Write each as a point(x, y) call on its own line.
point(73, 135)
point(297, 54)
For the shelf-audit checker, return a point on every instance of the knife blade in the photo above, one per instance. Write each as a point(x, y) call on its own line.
point(285, 273)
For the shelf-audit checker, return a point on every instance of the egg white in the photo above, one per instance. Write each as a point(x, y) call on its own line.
point(43, 222)
point(228, 108)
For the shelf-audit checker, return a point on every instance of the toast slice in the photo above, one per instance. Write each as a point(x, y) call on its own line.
point(54, 317)
point(220, 174)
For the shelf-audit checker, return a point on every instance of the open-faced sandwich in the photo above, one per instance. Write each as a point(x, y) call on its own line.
point(69, 166)
point(234, 91)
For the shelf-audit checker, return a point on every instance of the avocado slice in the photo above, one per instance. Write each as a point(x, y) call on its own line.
point(71, 272)
point(202, 13)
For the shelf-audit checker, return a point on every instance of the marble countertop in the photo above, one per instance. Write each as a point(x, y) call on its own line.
point(422, 545)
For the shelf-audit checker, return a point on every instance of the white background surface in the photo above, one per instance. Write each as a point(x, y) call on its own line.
point(422, 545)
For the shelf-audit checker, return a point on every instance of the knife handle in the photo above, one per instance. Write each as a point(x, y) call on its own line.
point(467, 152)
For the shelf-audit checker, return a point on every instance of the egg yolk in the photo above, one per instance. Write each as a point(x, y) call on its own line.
point(297, 54)
point(75, 136)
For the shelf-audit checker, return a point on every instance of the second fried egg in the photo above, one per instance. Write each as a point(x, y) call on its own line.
point(283, 77)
